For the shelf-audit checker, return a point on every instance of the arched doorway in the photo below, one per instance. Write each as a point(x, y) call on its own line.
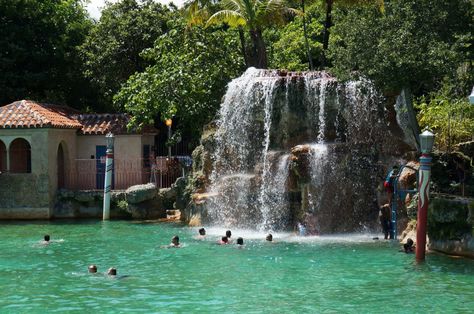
point(61, 167)
point(20, 156)
point(3, 157)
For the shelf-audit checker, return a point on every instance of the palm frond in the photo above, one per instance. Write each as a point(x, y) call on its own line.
point(232, 18)
point(194, 15)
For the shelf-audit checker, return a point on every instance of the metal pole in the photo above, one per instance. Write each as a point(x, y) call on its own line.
point(108, 183)
point(393, 229)
point(169, 146)
point(423, 200)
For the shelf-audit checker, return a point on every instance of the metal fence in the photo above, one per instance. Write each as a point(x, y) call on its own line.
point(89, 174)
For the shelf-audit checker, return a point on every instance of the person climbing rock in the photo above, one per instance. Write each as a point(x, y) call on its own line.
point(389, 183)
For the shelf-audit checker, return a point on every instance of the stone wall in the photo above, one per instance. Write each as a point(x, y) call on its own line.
point(24, 196)
point(137, 202)
point(451, 225)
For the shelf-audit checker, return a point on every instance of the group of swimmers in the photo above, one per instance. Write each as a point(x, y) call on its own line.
point(112, 271)
point(223, 241)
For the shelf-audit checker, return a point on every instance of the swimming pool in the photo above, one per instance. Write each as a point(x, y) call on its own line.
point(331, 274)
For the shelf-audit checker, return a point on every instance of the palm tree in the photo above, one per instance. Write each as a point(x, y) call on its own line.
point(328, 21)
point(253, 16)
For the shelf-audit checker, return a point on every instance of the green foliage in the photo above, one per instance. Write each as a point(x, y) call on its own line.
point(187, 78)
point(451, 119)
point(287, 46)
point(254, 16)
point(111, 52)
point(38, 55)
point(414, 43)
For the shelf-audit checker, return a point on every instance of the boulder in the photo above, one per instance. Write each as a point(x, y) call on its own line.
point(140, 193)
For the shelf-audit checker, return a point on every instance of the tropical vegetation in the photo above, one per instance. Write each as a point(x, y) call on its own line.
point(158, 61)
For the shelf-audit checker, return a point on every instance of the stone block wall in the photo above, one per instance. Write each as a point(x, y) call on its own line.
point(451, 225)
point(24, 196)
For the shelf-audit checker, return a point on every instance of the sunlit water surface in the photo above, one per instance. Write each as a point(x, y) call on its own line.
point(339, 274)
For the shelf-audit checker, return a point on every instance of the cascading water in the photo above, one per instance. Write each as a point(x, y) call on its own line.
point(289, 146)
point(318, 161)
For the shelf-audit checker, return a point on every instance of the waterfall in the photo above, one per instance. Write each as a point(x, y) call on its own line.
point(273, 201)
point(289, 145)
point(318, 159)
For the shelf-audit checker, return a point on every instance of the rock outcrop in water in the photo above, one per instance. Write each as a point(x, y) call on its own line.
point(301, 147)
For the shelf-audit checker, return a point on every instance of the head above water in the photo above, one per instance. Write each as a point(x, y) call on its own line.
point(175, 240)
point(269, 237)
point(240, 241)
point(202, 231)
point(228, 233)
point(410, 242)
point(112, 271)
point(46, 237)
point(92, 269)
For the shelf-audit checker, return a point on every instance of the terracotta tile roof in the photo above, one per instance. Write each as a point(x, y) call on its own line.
point(97, 123)
point(103, 123)
point(30, 114)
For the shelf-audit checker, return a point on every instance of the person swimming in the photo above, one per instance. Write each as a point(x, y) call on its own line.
point(112, 271)
point(202, 232)
point(408, 246)
point(269, 237)
point(175, 242)
point(240, 241)
point(224, 240)
point(46, 239)
point(92, 269)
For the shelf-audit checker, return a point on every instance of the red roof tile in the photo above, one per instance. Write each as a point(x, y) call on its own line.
point(30, 114)
point(103, 123)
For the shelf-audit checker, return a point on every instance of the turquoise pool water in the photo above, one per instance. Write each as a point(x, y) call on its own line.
point(346, 274)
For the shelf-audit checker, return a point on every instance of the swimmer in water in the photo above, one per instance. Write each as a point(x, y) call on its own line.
point(408, 247)
point(202, 234)
point(46, 239)
point(175, 242)
point(112, 271)
point(269, 237)
point(92, 269)
point(223, 241)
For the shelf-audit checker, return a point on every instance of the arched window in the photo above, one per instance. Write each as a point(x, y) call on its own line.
point(3, 157)
point(20, 156)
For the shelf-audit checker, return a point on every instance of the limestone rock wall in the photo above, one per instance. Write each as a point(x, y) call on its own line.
point(137, 202)
point(451, 225)
point(24, 196)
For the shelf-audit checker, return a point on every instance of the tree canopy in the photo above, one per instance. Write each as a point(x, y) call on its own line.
point(111, 53)
point(38, 51)
point(187, 78)
point(414, 43)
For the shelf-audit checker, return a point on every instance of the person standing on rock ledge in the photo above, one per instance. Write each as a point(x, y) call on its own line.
point(385, 216)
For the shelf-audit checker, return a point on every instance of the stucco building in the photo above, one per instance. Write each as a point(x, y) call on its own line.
point(45, 147)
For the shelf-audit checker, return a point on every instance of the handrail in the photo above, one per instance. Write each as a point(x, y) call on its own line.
point(397, 194)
